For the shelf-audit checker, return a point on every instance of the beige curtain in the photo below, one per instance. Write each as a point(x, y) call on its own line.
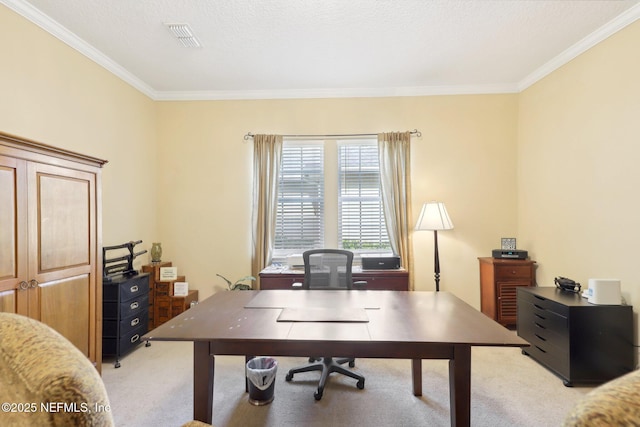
point(395, 176)
point(267, 155)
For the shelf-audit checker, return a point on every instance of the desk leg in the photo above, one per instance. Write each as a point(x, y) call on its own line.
point(416, 375)
point(460, 386)
point(203, 373)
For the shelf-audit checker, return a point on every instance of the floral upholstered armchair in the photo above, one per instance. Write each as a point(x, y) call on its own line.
point(615, 403)
point(40, 371)
point(46, 381)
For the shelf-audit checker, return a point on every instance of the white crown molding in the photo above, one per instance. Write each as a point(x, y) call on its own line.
point(54, 28)
point(618, 23)
point(335, 93)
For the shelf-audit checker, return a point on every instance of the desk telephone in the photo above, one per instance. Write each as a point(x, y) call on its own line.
point(565, 284)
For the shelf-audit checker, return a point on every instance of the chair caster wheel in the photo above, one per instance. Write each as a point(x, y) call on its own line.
point(360, 384)
point(318, 395)
point(352, 363)
point(289, 377)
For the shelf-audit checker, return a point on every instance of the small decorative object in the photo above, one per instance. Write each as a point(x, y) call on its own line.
point(156, 252)
point(168, 273)
point(508, 243)
point(119, 265)
point(238, 285)
point(181, 289)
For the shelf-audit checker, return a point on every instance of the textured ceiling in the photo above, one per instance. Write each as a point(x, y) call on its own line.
point(317, 48)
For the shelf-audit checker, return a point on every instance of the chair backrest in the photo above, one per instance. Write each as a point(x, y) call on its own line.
point(327, 269)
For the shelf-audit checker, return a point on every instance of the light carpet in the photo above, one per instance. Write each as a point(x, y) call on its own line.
point(154, 387)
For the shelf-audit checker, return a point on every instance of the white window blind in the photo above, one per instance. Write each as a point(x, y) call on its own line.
point(361, 224)
point(300, 208)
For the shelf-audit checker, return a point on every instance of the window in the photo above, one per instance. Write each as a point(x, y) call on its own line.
point(329, 196)
point(361, 223)
point(300, 208)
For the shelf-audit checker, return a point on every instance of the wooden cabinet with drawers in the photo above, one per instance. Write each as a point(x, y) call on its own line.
point(154, 277)
point(499, 279)
point(180, 304)
point(126, 314)
point(580, 342)
point(163, 304)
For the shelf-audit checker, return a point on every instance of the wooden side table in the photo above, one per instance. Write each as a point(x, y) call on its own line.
point(499, 280)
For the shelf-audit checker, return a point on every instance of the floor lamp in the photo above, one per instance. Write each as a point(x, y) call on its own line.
point(434, 217)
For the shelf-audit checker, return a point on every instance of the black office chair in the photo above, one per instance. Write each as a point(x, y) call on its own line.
point(328, 269)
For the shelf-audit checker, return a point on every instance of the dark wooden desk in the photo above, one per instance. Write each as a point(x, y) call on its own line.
point(404, 325)
point(377, 280)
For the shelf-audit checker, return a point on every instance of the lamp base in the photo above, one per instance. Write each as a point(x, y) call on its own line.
point(436, 260)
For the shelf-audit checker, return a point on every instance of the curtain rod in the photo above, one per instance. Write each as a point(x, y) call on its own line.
point(415, 132)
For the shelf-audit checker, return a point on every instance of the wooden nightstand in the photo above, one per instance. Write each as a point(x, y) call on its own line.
point(499, 280)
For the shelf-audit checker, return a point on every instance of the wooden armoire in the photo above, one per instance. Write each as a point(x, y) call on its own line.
point(50, 239)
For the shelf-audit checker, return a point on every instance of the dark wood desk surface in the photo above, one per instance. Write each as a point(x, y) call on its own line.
point(407, 325)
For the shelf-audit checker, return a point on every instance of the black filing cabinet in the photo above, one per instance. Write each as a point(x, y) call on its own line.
point(125, 311)
point(581, 342)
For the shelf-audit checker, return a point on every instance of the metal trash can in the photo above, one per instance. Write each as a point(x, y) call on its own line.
point(261, 372)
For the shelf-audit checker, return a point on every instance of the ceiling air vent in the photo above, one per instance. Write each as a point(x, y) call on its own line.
point(183, 33)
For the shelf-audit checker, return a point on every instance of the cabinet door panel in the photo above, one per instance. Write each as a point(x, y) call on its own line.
point(64, 222)
point(72, 321)
point(8, 229)
point(63, 273)
point(13, 237)
point(507, 306)
point(8, 301)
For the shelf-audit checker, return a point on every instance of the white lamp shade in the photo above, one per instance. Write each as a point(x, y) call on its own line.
point(434, 216)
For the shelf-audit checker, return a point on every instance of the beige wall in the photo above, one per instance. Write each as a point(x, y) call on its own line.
point(466, 158)
point(52, 94)
point(578, 201)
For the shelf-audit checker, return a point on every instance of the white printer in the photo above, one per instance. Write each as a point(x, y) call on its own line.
point(604, 292)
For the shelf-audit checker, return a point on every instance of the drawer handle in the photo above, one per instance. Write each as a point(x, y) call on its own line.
point(135, 321)
point(134, 288)
point(539, 325)
point(542, 350)
point(538, 307)
point(539, 316)
point(134, 305)
point(542, 338)
point(135, 338)
point(540, 298)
